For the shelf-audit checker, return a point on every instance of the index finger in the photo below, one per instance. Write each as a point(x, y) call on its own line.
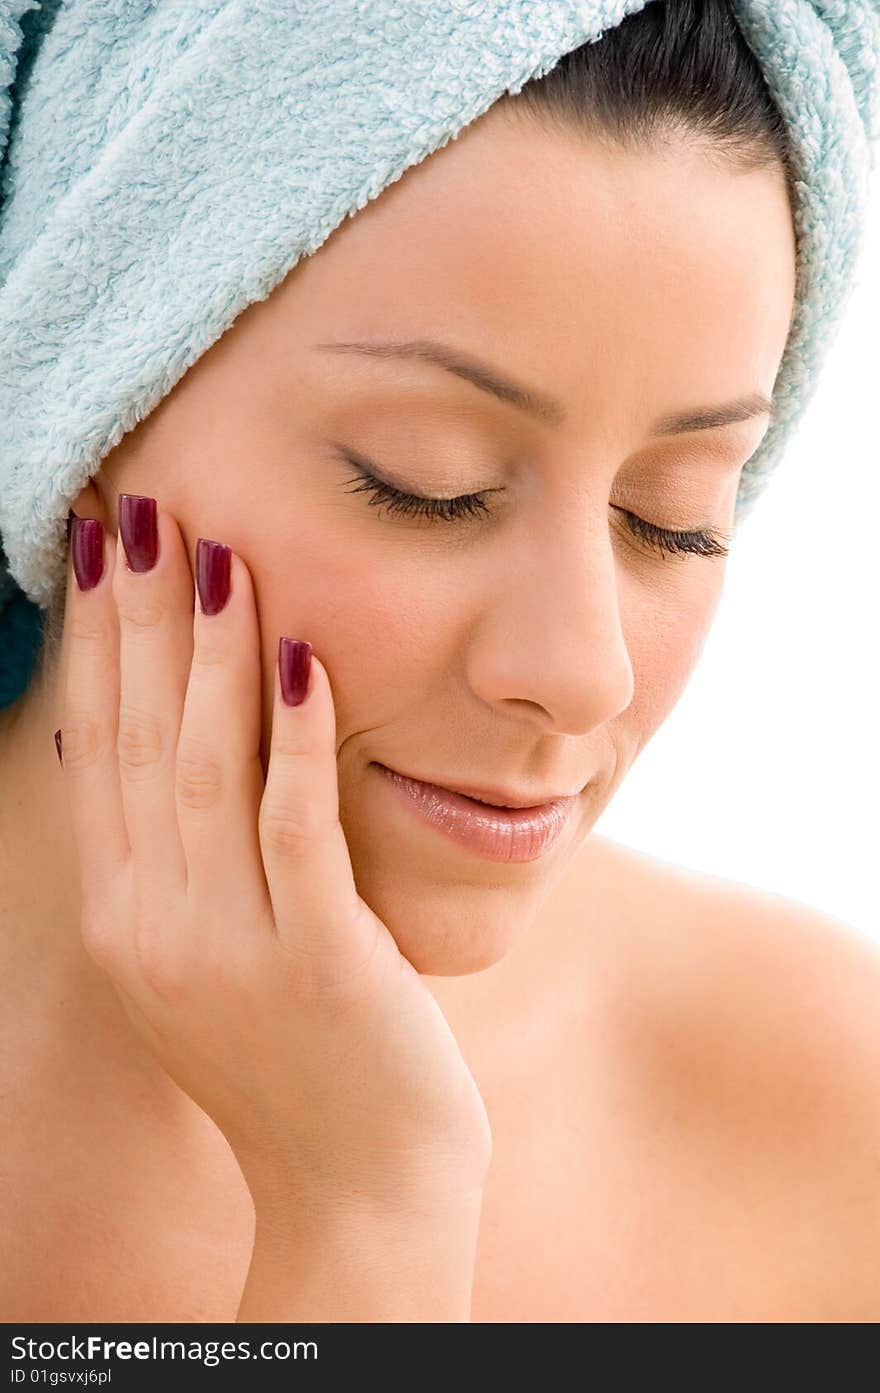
point(90, 706)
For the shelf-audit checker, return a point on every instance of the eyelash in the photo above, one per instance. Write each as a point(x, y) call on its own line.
point(662, 539)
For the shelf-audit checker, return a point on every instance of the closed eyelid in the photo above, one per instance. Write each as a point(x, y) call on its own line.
point(667, 542)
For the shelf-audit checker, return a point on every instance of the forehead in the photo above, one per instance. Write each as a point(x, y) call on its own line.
point(606, 273)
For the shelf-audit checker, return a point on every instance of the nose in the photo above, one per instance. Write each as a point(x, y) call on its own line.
point(550, 638)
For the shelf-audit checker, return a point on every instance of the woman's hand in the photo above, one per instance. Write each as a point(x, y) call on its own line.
point(224, 907)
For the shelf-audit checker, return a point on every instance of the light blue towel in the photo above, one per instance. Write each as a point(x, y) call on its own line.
point(168, 163)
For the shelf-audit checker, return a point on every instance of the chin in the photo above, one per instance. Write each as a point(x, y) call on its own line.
point(451, 913)
point(447, 928)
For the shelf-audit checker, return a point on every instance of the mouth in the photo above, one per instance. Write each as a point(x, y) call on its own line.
point(500, 799)
point(506, 832)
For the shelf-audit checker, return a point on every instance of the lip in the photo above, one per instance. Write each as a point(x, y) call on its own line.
point(499, 797)
point(510, 834)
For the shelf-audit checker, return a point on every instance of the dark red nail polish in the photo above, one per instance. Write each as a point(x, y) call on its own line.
point(136, 516)
point(87, 550)
point(294, 665)
point(58, 748)
point(213, 569)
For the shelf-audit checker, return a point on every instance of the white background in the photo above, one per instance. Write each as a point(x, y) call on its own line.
point(767, 770)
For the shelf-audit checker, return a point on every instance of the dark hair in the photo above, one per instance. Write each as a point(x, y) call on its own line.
point(676, 68)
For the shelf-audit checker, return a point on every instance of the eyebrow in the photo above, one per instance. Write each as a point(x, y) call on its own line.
point(537, 404)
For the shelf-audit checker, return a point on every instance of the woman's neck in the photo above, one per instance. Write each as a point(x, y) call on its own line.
point(39, 882)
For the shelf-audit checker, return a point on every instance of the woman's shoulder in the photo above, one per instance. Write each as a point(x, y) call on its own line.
point(756, 1025)
point(724, 945)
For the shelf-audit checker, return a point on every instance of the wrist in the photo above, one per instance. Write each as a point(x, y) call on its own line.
point(365, 1260)
point(285, 1204)
point(280, 1185)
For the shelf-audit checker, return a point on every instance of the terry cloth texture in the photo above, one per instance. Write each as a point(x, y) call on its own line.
point(167, 164)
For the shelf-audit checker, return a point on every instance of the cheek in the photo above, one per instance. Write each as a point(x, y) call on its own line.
point(374, 621)
point(665, 638)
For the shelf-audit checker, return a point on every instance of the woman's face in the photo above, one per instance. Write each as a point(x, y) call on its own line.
point(535, 645)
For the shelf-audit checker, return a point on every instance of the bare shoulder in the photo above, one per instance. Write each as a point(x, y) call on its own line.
point(755, 1019)
point(751, 960)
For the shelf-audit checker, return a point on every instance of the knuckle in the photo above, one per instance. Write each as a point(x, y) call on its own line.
point(140, 611)
point(161, 955)
point(88, 630)
point(199, 781)
point(287, 831)
point(102, 920)
point(98, 940)
point(293, 753)
point(85, 741)
point(209, 655)
point(140, 740)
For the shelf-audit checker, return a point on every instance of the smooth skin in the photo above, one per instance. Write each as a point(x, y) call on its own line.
point(540, 646)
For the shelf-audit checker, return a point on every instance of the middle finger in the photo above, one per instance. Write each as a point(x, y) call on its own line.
point(153, 589)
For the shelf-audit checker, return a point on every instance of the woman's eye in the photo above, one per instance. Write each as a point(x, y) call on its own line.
point(704, 542)
point(414, 504)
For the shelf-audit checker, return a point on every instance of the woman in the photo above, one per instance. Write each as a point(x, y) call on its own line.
point(419, 1062)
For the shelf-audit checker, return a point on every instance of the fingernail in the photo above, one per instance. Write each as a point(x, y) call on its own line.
point(58, 747)
point(136, 516)
point(87, 549)
point(213, 563)
point(70, 516)
point(294, 665)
